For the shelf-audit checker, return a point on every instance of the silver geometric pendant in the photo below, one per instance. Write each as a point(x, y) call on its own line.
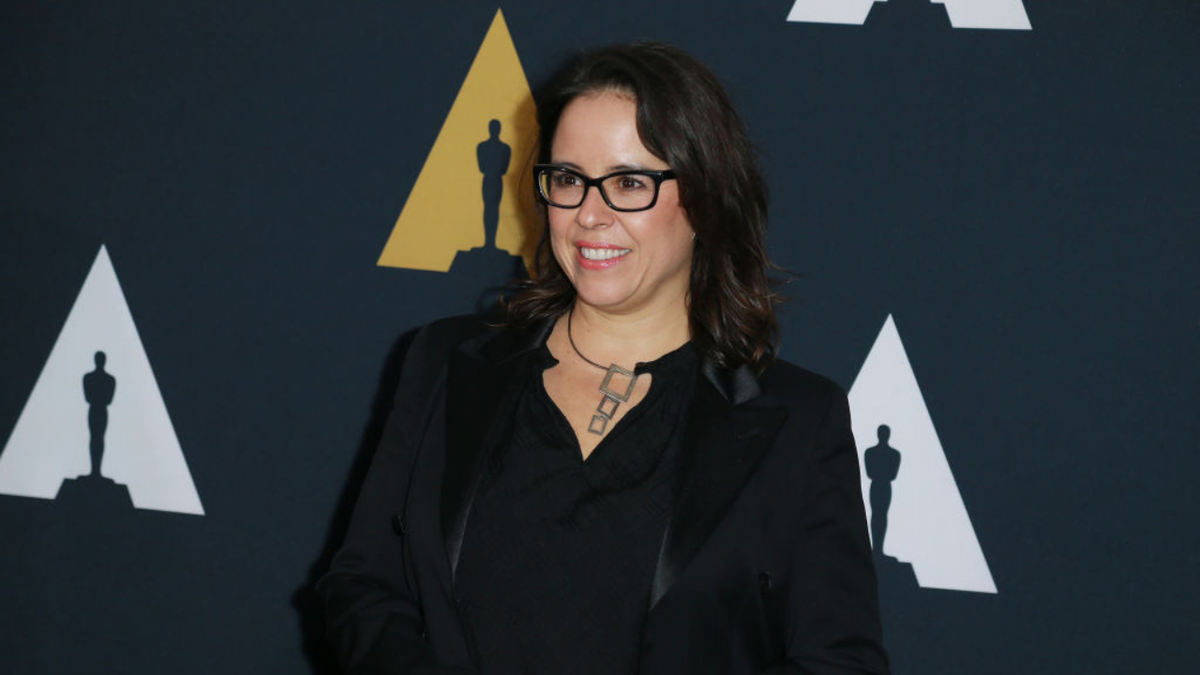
point(611, 399)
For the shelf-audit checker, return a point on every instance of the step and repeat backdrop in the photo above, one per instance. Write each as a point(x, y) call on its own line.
point(220, 220)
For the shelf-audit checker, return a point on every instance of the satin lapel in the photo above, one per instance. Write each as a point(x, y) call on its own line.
point(723, 444)
point(481, 393)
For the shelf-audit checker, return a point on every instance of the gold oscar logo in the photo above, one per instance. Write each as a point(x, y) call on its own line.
point(474, 194)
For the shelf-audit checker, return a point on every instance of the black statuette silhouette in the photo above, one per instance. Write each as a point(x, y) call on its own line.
point(94, 493)
point(909, 15)
point(493, 156)
point(491, 267)
point(883, 464)
point(98, 389)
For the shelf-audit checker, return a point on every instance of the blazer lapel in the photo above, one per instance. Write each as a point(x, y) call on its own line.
point(483, 381)
point(723, 443)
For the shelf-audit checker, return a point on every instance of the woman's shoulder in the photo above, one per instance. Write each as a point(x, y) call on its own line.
point(424, 351)
point(787, 381)
point(436, 340)
point(458, 329)
point(487, 336)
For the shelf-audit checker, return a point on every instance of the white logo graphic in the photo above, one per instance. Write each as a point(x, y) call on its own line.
point(119, 405)
point(926, 524)
point(1001, 14)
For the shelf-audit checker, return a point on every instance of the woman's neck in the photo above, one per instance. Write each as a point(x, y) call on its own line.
point(624, 339)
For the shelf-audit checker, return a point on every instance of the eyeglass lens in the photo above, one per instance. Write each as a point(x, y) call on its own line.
point(623, 191)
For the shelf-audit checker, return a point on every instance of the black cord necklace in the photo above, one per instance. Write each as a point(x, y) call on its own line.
point(611, 399)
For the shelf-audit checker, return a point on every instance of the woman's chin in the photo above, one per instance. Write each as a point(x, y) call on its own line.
point(604, 298)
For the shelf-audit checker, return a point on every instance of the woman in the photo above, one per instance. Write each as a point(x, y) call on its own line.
point(623, 478)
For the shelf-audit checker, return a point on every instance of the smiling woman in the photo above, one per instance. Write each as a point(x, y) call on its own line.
point(664, 110)
point(622, 478)
point(634, 261)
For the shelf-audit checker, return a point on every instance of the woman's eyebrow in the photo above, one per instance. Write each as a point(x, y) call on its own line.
point(611, 168)
point(625, 167)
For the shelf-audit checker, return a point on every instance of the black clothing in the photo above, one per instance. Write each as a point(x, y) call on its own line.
point(558, 557)
point(765, 565)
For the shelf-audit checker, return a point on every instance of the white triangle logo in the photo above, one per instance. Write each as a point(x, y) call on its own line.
point(51, 440)
point(927, 523)
point(995, 14)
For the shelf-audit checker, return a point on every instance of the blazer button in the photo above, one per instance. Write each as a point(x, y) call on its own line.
point(398, 526)
point(764, 582)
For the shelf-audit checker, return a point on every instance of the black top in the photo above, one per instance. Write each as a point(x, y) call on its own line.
point(559, 553)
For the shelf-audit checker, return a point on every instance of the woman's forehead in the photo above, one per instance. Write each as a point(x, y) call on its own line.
point(597, 132)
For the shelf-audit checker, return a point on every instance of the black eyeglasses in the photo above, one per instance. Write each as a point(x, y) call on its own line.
point(628, 190)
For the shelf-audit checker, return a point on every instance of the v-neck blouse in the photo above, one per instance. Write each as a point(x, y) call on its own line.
point(559, 552)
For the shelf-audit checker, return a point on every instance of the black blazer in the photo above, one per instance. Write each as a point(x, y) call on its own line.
point(765, 565)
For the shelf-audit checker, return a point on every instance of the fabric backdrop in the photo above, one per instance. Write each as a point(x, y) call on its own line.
point(989, 208)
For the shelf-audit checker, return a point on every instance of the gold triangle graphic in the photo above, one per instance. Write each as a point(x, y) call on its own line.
point(445, 212)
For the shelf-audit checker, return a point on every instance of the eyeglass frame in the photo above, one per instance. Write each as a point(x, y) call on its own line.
point(658, 176)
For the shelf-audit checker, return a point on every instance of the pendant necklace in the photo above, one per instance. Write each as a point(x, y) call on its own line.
point(611, 399)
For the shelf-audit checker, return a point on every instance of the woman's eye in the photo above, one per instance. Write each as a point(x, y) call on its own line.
point(630, 183)
point(565, 180)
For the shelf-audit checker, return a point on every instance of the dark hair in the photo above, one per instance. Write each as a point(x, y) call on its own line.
point(685, 118)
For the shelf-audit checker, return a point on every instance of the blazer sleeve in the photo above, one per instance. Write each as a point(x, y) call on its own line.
point(832, 625)
point(372, 611)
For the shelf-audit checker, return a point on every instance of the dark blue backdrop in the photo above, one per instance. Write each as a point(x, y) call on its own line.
point(1024, 202)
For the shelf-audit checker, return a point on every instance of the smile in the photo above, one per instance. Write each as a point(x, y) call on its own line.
point(597, 256)
point(602, 253)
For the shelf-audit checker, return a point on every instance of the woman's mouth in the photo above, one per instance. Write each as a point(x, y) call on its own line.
point(599, 257)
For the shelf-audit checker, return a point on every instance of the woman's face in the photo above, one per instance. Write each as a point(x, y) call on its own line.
point(621, 262)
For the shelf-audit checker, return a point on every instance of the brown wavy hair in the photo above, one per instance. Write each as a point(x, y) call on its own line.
point(685, 118)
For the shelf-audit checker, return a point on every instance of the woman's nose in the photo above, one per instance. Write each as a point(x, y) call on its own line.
point(593, 212)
